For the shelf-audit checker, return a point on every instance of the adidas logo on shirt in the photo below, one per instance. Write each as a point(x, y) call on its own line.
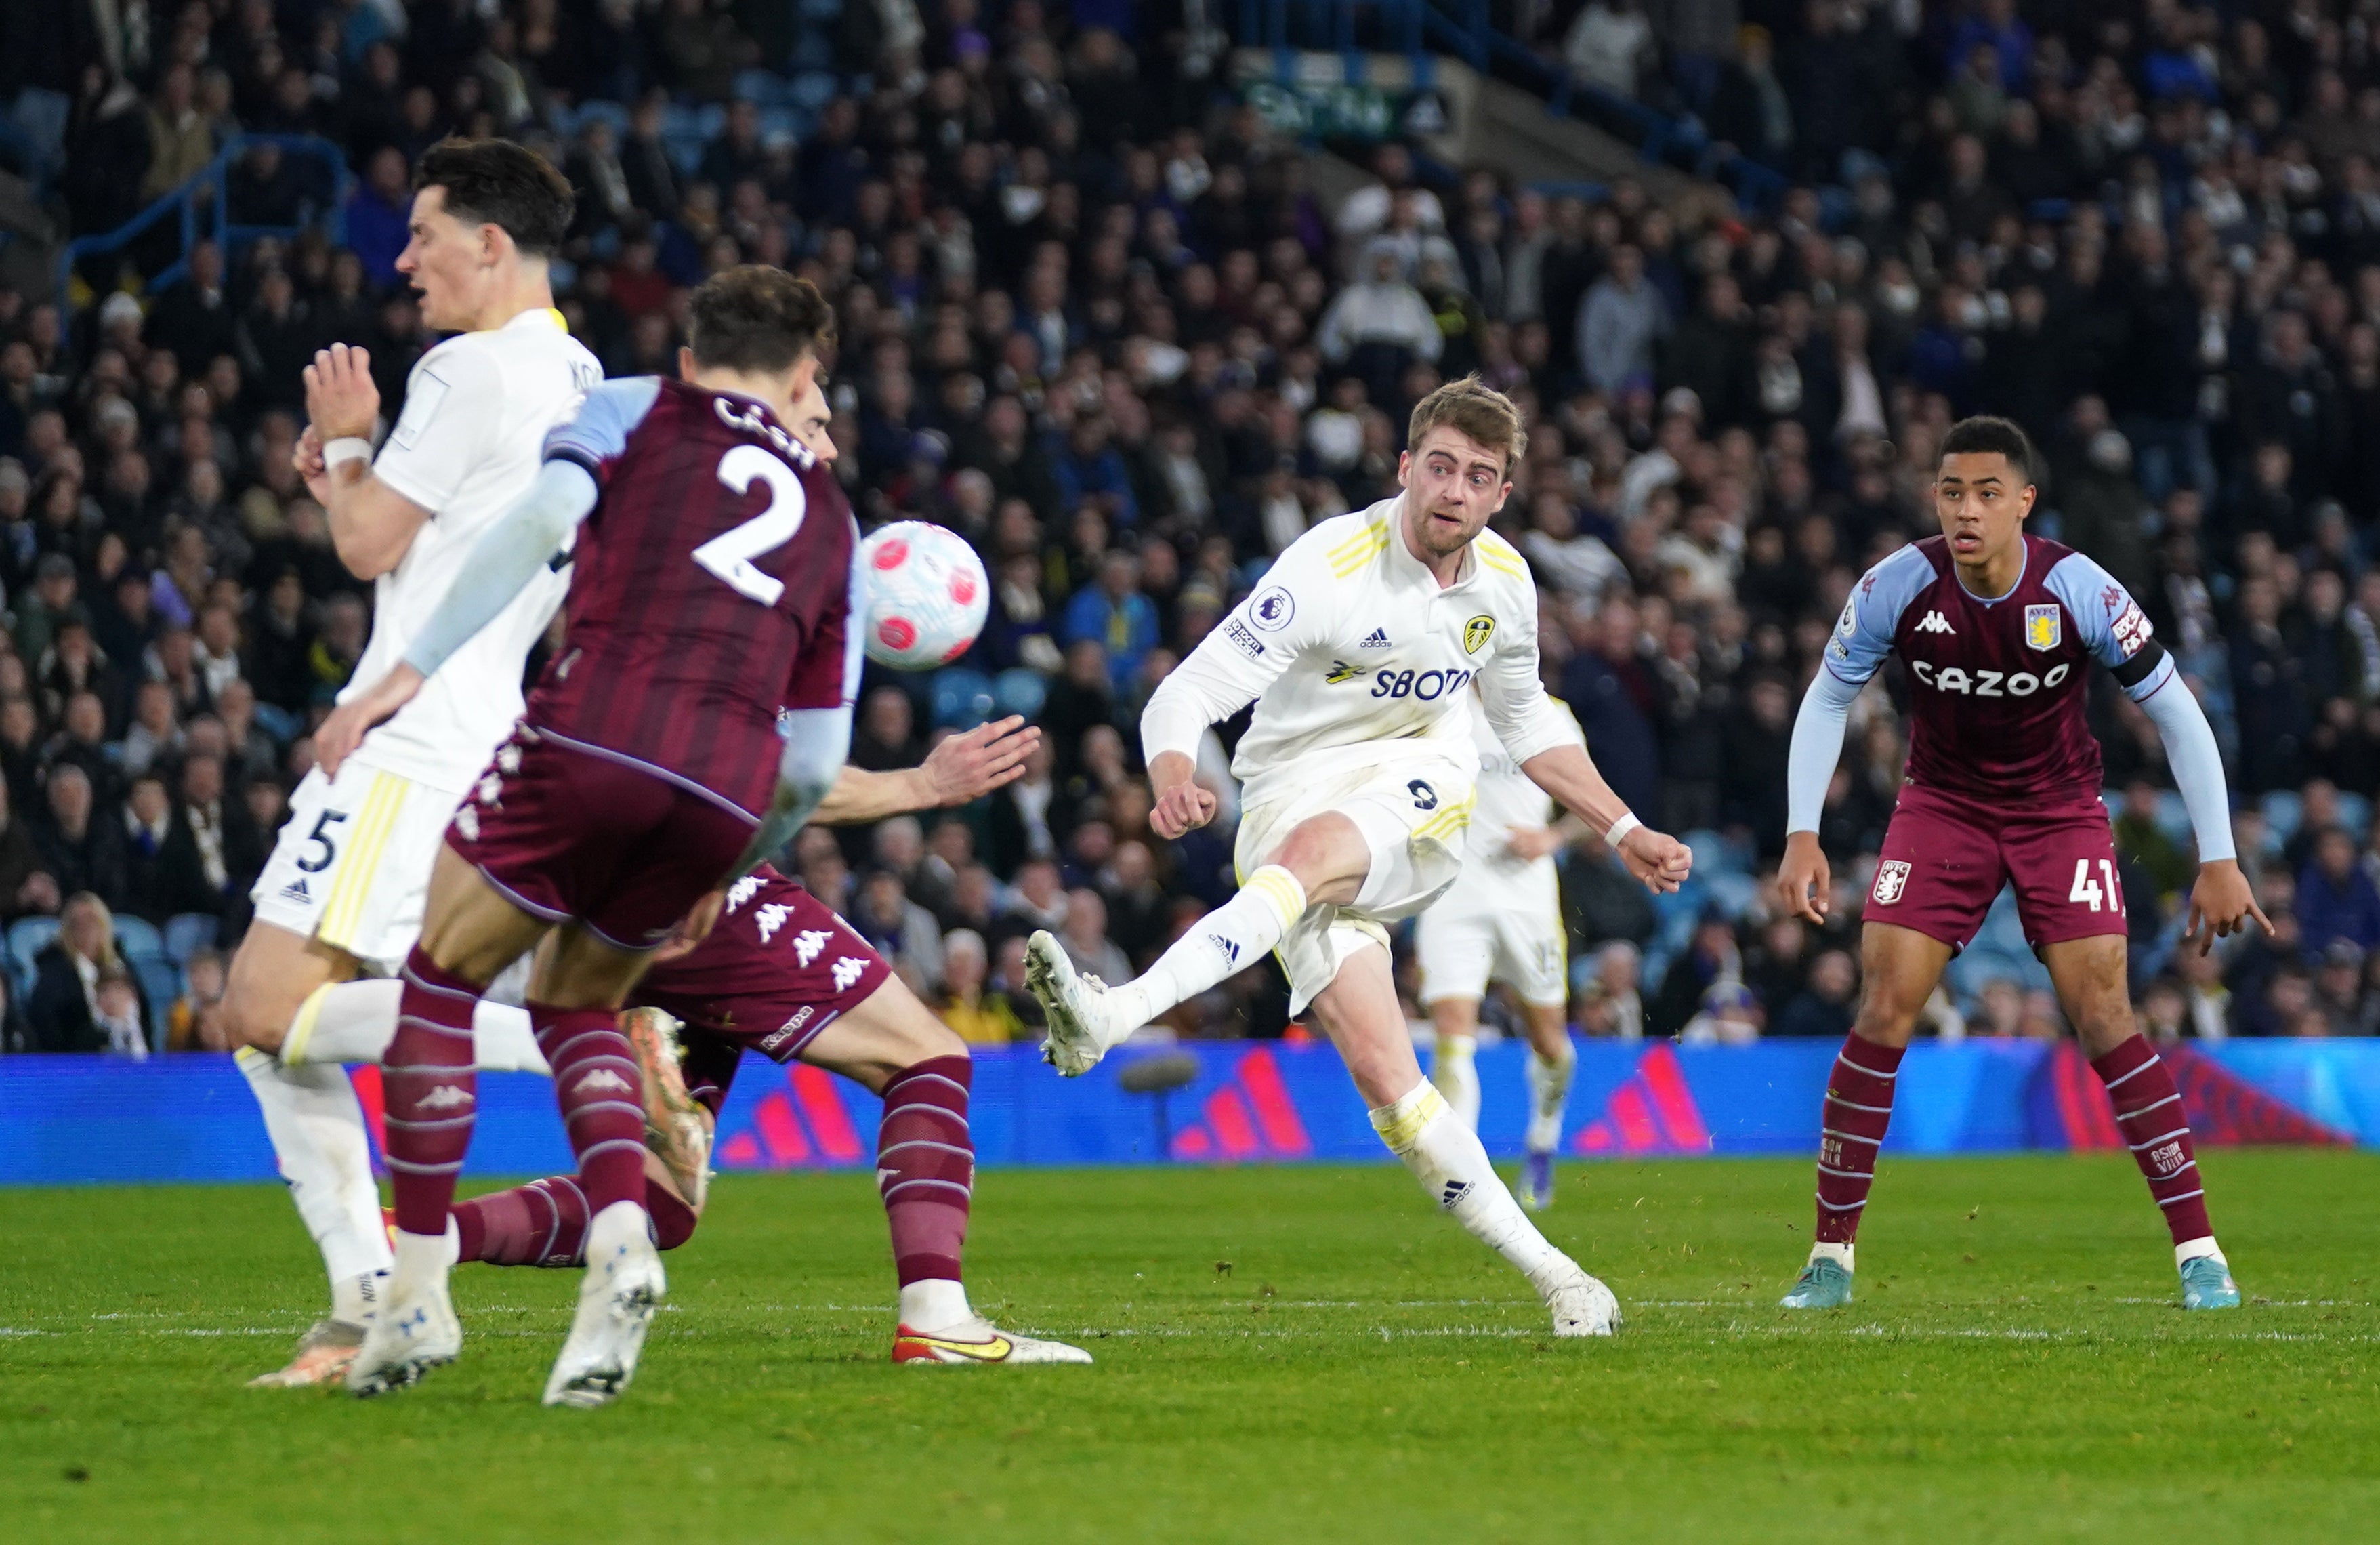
point(1936, 623)
point(1380, 639)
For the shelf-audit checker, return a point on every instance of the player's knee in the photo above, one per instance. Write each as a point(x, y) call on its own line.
point(255, 1011)
point(1317, 852)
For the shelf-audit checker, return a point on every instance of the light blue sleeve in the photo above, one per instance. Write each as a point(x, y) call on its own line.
point(1817, 747)
point(506, 557)
point(2114, 628)
point(2197, 764)
point(597, 430)
point(1864, 634)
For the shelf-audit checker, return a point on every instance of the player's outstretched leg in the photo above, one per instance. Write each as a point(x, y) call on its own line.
point(432, 1098)
point(1858, 1108)
point(1550, 1080)
point(1088, 1016)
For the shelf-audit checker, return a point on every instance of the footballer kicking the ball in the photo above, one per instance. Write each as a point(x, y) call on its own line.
point(1999, 629)
point(1359, 649)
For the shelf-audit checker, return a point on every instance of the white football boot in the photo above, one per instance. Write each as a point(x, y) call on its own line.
point(417, 1330)
point(1086, 1016)
point(977, 1340)
point(622, 1287)
point(1582, 1305)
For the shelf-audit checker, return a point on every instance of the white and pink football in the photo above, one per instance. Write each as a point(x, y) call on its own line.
point(927, 595)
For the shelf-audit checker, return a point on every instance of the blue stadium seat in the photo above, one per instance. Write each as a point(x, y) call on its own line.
point(610, 112)
point(962, 699)
point(1019, 691)
point(1733, 894)
point(764, 87)
point(2283, 811)
point(188, 933)
point(814, 89)
point(2355, 814)
point(160, 983)
point(139, 936)
point(2173, 816)
point(28, 937)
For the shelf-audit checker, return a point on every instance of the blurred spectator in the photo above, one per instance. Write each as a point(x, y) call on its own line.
point(84, 997)
point(968, 1003)
point(2336, 899)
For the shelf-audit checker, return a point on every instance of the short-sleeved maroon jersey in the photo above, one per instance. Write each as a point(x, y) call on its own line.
point(710, 589)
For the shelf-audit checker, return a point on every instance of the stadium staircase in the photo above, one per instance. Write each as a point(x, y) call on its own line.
point(203, 204)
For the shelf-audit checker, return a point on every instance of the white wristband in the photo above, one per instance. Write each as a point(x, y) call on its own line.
point(1621, 828)
point(345, 449)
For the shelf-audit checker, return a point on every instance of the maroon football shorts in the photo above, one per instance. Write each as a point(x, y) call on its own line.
point(573, 832)
point(1946, 858)
point(778, 968)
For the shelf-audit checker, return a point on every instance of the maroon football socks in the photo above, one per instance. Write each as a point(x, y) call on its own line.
point(1858, 1108)
point(544, 1223)
point(2149, 1111)
point(925, 1167)
point(601, 1090)
point(431, 1093)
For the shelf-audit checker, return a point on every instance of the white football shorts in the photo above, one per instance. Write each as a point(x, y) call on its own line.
point(1414, 817)
point(1500, 922)
point(352, 866)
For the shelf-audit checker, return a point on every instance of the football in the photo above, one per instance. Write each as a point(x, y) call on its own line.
point(927, 595)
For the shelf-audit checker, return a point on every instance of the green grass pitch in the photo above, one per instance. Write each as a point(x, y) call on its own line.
point(1302, 1353)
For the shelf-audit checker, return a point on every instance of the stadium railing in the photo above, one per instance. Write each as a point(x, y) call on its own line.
point(211, 187)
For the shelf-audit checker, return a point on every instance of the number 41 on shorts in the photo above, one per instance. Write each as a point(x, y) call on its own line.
point(2110, 899)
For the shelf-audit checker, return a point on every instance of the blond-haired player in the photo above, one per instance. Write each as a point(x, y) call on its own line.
point(1359, 649)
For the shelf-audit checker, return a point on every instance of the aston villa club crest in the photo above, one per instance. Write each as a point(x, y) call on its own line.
point(2044, 629)
point(1891, 879)
point(1476, 632)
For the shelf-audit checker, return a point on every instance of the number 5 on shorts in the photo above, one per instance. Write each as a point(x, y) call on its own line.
point(321, 835)
point(2087, 889)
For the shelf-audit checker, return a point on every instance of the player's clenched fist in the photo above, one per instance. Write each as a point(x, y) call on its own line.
point(1803, 881)
point(341, 399)
point(1659, 860)
point(1184, 807)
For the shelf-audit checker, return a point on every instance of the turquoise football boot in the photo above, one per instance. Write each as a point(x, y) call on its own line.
point(2206, 1285)
point(1823, 1285)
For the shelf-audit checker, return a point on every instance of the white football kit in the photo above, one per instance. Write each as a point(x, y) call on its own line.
point(352, 866)
point(1502, 919)
point(1361, 667)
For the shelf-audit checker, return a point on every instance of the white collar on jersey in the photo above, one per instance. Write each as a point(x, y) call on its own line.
point(1410, 570)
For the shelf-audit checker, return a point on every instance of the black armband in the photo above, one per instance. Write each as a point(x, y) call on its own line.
point(2132, 672)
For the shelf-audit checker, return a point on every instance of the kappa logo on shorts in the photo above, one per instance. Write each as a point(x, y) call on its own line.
point(786, 1031)
point(743, 891)
point(1891, 879)
point(773, 917)
point(2045, 628)
point(808, 944)
point(467, 820)
point(847, 971)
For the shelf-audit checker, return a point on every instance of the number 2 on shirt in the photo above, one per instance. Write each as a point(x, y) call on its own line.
point(730, 554)
point(2087, 889)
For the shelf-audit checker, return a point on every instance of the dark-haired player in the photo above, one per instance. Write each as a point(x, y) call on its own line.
point(705, 677)
point(1998, 629)
point(342, 896)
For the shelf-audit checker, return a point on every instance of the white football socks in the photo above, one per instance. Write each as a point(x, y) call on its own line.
point(1225, 942)
point(2190, 1250)
point(935, 1305)
point(1456, 1077)
point(354, 1022)
point(425, 1261)
point(1549, 1094)
point(1445, 1156)
point(1839, 1254)
point(317, 1127)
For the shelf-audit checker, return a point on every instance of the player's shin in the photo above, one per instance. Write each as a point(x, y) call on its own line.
point(598, 1084)
point(544, 1223)
point(355, 1021)
point(317, 1127)
point(1548, 1095)
point(925, 1171)
point(1446, 1158)
point(2149, 1111)
point(1226, 940)
point(1456, 1076)
point(431, 1093)
point(1858, 1108)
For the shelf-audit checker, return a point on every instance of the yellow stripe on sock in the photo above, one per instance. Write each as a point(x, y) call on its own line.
point(1281, 888)
point(1400, 1123)
point(345, 909)
point(301, 1029)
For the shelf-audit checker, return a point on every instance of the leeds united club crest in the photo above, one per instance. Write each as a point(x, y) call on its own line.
point(1476, 632)
point(2043, 627)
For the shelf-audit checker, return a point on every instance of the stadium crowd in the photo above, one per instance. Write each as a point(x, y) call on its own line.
point(1095, 318)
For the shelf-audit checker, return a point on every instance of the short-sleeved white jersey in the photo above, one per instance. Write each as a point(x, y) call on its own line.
point(1356, 657)
point(467, 447)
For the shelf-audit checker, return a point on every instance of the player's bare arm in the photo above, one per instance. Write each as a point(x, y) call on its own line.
point(1567, 772)
point(371, 524)
point(962, 767)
